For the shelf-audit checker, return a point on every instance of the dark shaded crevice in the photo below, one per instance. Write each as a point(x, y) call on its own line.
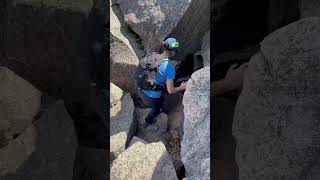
point(243, 23)
point(225, 166)
point(185, 67)
point(136, 36)
point(181, 173)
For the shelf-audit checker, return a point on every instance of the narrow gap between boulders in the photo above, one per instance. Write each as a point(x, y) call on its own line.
point(172, 133)
point(168, 127)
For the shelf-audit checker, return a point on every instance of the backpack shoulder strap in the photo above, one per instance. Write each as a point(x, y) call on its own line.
point(159, 66)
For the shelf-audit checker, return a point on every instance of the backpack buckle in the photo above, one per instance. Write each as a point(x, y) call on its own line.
point(154, 87)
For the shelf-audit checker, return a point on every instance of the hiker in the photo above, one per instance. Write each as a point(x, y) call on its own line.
point(151, 92)
point(233, 80)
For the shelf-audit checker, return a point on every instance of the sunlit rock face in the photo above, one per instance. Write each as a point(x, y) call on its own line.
point(195, 145)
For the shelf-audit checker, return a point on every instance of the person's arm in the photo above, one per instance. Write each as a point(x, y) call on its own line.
point(219, 87)
point(170, 76)
point(171, 89)
point(233, 80)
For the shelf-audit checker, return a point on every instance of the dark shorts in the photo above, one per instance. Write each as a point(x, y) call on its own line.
point(149, 102)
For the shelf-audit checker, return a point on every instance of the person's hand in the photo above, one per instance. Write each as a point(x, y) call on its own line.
point(234, 77)
point(183, 85)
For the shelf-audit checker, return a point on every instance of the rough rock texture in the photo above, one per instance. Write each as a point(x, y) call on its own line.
point(124, 60)
point(116, 94)
point(19, 104)
point(40, 39)
point(276, 118)
point(192, 27)
point(121, 121)
point(44, 150)
point(117, 144)
point(175, 119)
point(153, 20)
point(174, 108)
point(162, 122)
point(205, 49)
point(51, 47)
point(122, 31)
point(309, 8)
point(195, 145)
point(152, 133)
point(123, 65)
point(121, 114)
point(173, 146)
point(160, 131)
point(136, 139)
point(143, 162)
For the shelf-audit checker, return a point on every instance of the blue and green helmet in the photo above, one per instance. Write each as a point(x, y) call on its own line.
point(172, 44)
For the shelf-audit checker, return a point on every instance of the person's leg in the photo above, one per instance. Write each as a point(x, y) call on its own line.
point(156, 106)
point(147, 101)
point(154, 103)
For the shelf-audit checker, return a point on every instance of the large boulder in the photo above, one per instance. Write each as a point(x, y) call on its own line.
point(309, 8)
point(195, 145)
point(50, 45)
point(123, 64)
point(144, 162)
point(153, 20)
point(121, 30)
point(121, 120)
point(276, 121)
point(192, 27)
point(124, 52)
point(116, 94)
point(136, 139)
point(19, 104)
point(168, 127)
point(44, 150)
point(41, 40)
